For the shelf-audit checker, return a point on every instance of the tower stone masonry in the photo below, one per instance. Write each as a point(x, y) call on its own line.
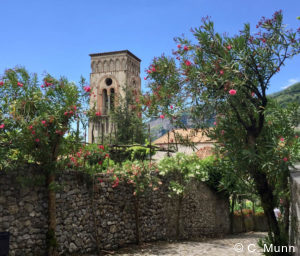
point(111, 72)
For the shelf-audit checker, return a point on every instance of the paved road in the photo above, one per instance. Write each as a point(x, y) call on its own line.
point(211, 247)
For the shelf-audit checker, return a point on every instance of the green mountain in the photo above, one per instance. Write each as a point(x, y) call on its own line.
point(158, 127)
point(290, 94)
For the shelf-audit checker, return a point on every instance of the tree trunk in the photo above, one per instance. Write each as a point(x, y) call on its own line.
point(267, 200)
point(137, 221)
point(265, 192)
point(232, 213)
point(51, 236)
point(50, 167)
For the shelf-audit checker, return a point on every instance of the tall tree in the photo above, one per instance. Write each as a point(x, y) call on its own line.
point(226, 78)
point(127, 119)
point(34, 117)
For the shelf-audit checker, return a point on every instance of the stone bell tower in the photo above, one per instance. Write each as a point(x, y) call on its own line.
point(111, 72)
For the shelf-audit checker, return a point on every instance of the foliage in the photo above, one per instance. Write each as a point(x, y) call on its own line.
point(137, 152)
point(226, 78)
point(127, 119)
point(142, 175)
point(90, 158)
point(34, 117)
point(140, 152)
point(182, 168)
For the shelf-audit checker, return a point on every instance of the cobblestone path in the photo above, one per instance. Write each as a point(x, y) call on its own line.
point(226, 246)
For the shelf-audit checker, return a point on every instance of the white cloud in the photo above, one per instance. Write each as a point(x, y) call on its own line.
point(291, 82)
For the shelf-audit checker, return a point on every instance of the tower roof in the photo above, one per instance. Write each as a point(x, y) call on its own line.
point(115, 52)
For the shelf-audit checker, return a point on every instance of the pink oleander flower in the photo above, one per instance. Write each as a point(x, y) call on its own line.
point(162, 116)
point(1, 83)
point(145, 78)
point(33, 132)
point(37, 140)
point(221, 72)
point(171, 107)
point(188, 63)
point(252, 94)
point(101, 147)
point(43, 122)
point(66, 113)
point(229, 47)
point(98, 113)
point(87, 88)
point(153, 69)
point(47, 84)
point(179, 46)
point(20, 84)
point(232, 92)
point(116, 183)
point(185, 48)
point(2, 126)
point(285, 159)
point(281, 139)
point(215, 123)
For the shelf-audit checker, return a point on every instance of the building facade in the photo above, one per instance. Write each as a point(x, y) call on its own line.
point(111, 72)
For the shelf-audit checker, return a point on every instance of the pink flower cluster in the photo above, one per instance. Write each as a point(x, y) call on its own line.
point(151, 69)
point(188, 63)
point(232, 92)
point(87, 88)
point(71, 112)
point(185, 48)
point(46, 84)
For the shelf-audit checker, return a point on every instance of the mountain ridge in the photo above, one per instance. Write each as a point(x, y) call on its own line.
point(159, 127)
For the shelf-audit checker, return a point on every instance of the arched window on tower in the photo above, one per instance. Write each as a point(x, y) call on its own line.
point(112, 99)
point(104, 102)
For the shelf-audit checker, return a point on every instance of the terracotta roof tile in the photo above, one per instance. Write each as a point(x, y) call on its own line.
point(190, 134)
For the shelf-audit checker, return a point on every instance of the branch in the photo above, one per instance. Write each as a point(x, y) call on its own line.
point(238, 116)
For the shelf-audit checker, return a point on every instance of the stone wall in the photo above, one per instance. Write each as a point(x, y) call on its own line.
point(295, 209)
point(91, 214)
point(258, 223)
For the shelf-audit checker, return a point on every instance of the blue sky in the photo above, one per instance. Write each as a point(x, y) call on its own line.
point(57, 36)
